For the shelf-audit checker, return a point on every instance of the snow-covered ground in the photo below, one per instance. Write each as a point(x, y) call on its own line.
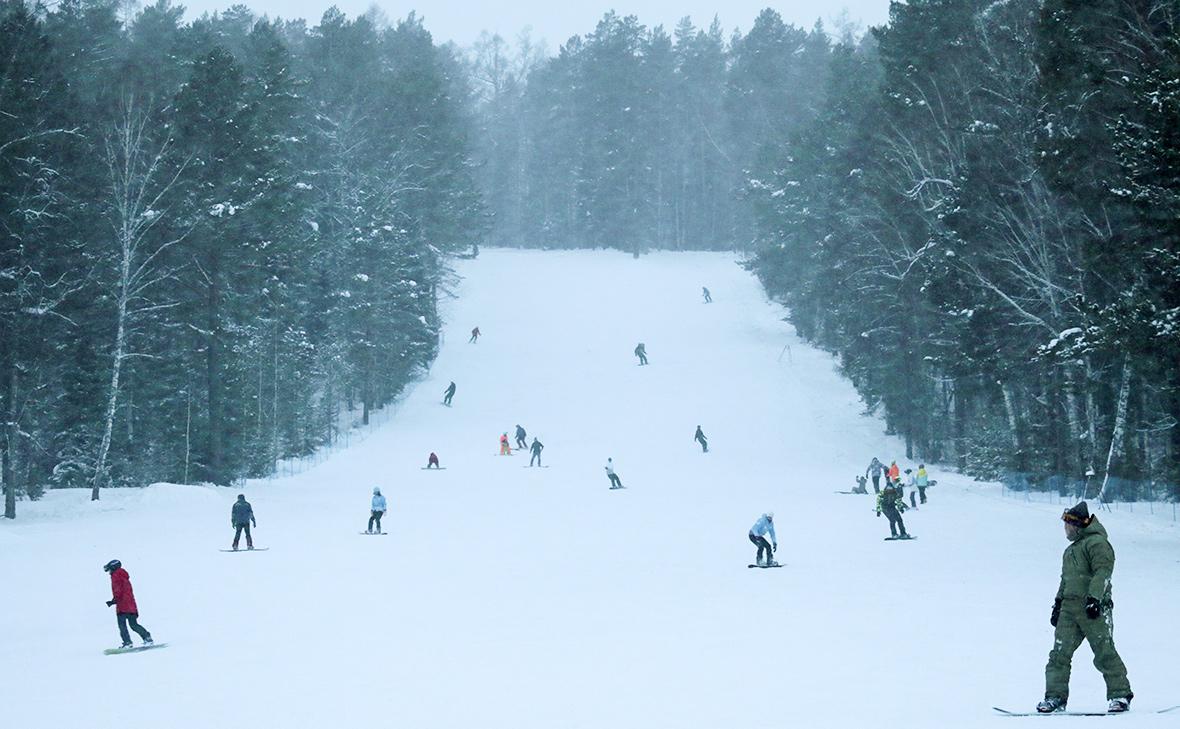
point(518, 598)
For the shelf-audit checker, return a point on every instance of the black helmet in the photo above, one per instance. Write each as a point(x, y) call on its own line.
point(113, 565)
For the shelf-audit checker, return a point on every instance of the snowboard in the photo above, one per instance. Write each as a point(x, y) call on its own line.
point(256, 549)
point(862, 493)
point(900, 539)
point(373, 534)
point(133, 649)
point(537, 466)
point(435, 469)
point(615, 488)
point(1005, 712)
point(764, 567)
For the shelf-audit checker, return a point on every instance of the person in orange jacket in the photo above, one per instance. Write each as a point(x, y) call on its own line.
point(505, 447)
point(894, 472)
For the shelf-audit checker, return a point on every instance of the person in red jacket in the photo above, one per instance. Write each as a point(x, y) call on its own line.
point(123, 600)
point(894, 472)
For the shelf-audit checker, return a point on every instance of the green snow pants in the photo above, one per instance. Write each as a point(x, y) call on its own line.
point(1072, 627)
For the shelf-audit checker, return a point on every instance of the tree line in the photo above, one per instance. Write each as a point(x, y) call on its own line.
point(976, 206)
point(221, 241)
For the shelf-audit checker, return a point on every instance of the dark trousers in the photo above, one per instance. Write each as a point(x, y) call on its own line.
point(642, 359)
point(536, 457)
point(238, 535)
point(913, 499)
point(704, 445)
point(761, 544)
point(375, 517)
point(447, 399)
point(922, 494)
point(521, 444)
point(876, 483)
point(131, 619)
point(895, 522)
point(615, 483)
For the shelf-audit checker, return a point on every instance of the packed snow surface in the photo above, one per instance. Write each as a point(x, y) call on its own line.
point(517, 598)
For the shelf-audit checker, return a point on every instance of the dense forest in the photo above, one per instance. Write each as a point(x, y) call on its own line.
point(976, 207)
point(223, 240)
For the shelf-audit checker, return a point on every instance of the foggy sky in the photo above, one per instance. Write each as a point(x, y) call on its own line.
point(555, 21)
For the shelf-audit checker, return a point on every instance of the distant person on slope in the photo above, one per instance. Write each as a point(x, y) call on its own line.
point(615, 483)
point(641, 353)
point(913, 484)
point(875, 469)
point(921, 481)
point(707, 295)
point(505, 448)
point(895, 475)
point(764, 525)
point(240, 518)
point(699, 437)
point(377, 510)
point(448, 394)
point(123, 600)
point(1083, 609)
point(521, 438)
point(474, 336)
point(432, 462)
point(891, 504)
point(536, 450)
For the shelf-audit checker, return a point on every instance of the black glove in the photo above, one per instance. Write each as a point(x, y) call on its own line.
point(773, 548)
point(1053, 616)
point(878, 513)
point(110, 603)
point(1093, 608)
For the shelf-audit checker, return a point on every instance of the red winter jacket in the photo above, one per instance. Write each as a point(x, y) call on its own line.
point(121, 590)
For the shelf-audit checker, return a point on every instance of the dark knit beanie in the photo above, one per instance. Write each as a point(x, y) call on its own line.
point(1078, 515)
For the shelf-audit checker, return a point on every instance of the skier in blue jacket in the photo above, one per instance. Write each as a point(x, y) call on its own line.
point(378, 509)
point(764, 524)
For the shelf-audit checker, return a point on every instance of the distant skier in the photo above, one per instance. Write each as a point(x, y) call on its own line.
point(913, 488)
point(764, 525)
point(706, 294)
point(521, 438)
point(432, 462)
point(895, 474)
point(1083, 609)
point(505, 448)
point(123, 600)
point(890, 503)
point(699, 437)
point(921, 481)
point(641, 353)
point(377, 510)
point(875, 467)
point(615, 483)
point(448, 394)
point(240, 518)
point(536, 450)
point(474, 336)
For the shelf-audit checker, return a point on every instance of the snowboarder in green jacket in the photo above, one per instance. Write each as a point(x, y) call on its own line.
point(1083, 609)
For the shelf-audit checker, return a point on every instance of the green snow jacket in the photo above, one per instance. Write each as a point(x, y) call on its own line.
point(1087, 565)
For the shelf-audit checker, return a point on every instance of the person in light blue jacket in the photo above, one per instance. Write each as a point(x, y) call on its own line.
point(764, 525)
point(378, 510)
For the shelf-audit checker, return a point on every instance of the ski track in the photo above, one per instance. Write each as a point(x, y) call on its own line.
point(518, 598)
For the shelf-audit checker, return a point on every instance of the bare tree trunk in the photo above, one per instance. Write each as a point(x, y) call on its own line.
point(1120, 424)
point(1010, 409)
point(1073, 418)
point(7, 471)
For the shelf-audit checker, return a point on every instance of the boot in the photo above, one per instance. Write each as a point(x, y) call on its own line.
point(1050, 705)
point(1118, 706)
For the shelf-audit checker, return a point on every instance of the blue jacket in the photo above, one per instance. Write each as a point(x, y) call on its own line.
point(762, 526)
point(378, 502)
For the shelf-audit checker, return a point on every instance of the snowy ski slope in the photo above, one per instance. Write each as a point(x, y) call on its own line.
point(521, 598)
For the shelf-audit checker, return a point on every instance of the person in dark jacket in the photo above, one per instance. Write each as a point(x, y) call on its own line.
point(448, 394)
point(123, 600)
point(641, 353)
point(474, 336)
point(536, 449)
point(706, 294)
point(699, 437)
point(240, 518)
point(890, 503)
point(1083, 609)
point(521, 438)
point(432, 461)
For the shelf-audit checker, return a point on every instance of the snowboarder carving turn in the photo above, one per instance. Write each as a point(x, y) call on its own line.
point(699, 437)
point(641, 353)
point(615, 483)
point(377, 510)
point(240, 518)
point(123, 600)
point(448, 394)
point(764, 525)
point(1083, 608)
point(536, 451)
point(890, 503)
